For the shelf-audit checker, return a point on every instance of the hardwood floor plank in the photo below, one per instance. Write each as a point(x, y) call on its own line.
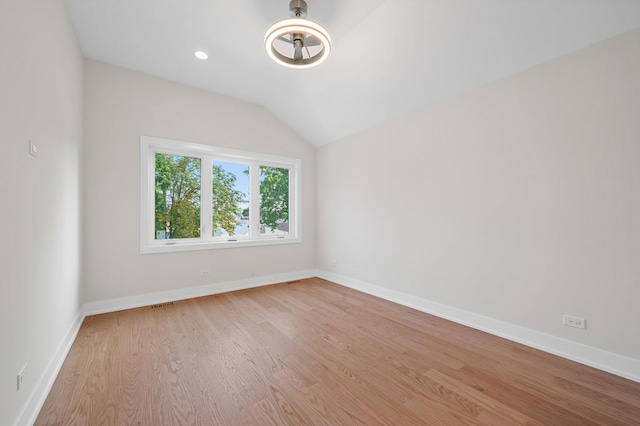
point(313, 352)
point(502, 388)
point(474, 399)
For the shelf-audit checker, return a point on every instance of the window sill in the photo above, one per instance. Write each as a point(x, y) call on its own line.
point(171, 247)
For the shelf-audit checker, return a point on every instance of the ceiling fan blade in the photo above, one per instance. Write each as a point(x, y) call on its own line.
point(298, 53)
point(285, 39)
point(312, 41)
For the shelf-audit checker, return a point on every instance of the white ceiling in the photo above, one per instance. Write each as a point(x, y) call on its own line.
point(389, 57)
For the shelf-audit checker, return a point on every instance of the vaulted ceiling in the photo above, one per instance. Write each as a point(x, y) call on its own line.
point(389, 57)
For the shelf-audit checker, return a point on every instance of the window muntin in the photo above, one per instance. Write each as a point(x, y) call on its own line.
point(244, 198)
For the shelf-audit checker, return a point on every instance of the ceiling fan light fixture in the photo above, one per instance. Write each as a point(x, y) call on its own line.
point(300, 34)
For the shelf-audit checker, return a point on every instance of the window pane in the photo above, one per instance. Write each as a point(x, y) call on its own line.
point(177, 186)
point(230, 199)
point(274, 200)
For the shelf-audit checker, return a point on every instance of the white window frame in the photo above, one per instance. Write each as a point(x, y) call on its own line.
point(149, 146)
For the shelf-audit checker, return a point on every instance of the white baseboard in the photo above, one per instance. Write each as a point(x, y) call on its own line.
point(616, 364)
point(35, 401)
point(113, 305)
point(619, 365)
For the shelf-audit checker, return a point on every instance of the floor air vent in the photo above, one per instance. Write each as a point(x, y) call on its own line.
point(162, 305)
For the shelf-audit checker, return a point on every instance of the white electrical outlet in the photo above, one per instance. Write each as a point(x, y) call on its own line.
point(21, 375)
point(205, 273)
point(576, 322)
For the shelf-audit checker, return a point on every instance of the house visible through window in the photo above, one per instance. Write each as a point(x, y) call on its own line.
point(197, 197)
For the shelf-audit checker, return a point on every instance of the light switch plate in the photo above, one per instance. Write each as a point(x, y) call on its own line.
point(33, 150)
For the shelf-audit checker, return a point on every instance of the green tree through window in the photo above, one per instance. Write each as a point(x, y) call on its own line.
point(226, 201)
point(177, 197)
point(274, 198)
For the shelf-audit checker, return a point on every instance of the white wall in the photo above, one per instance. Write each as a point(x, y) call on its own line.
point(121, 105)
point(518, 201)
point(40, 99)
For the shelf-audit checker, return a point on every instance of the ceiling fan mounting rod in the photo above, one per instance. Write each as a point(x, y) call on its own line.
point(298, 9)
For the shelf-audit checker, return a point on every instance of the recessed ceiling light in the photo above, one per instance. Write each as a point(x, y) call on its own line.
point(201, 55)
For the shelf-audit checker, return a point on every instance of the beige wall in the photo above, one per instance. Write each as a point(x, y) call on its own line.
point(519, 201)
point(121, 105)
point(41, 100)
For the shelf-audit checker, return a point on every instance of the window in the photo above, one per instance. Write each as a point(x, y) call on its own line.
point(196, 197)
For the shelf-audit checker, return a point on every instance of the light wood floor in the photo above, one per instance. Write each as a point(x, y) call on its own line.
point(312, 352)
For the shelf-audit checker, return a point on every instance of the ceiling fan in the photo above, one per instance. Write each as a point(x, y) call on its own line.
point(297, 42)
